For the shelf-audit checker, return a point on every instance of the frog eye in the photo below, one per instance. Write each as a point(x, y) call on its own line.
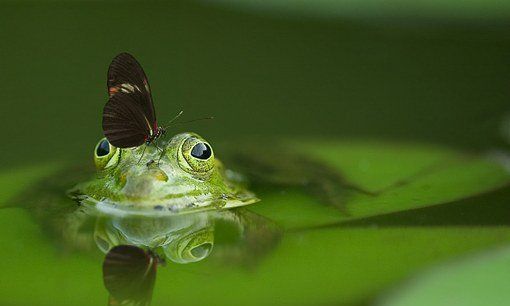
point(103, 148)
point(201, 151)
point(197, 155)
point(105, 155)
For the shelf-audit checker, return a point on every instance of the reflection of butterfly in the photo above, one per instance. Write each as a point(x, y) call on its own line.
point(129, 274)
point(129, 118)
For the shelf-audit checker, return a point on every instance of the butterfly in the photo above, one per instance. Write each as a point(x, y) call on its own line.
point(129, 117)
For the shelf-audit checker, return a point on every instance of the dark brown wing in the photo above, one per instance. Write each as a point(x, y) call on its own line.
point(125, 124)
point(126, 75)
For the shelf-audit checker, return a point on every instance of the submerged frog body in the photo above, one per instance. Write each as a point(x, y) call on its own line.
point(177, 176)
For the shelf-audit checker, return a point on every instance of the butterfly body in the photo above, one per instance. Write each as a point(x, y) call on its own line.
point(129, 117)
point(159, 131)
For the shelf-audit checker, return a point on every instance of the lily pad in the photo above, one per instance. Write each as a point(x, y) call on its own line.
point(477, 280)
point(400, 176)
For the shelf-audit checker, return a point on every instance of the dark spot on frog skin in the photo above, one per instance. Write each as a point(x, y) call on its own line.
point(173, 208)
point(158, 207)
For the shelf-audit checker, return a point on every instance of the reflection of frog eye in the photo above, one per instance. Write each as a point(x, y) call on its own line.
point(105, 155)
point(191, 247)
point(196, 155)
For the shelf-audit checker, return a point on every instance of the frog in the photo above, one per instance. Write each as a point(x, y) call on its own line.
point(179, 175)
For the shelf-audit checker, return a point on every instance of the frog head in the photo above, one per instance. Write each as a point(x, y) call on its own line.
point(179, 175)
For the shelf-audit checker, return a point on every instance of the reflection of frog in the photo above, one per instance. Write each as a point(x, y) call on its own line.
point(182, 239)
point(189, 237)
point(184, 177)
point(134, 245)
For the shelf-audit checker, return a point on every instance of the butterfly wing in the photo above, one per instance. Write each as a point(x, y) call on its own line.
point(125, 124)
point(126, 75)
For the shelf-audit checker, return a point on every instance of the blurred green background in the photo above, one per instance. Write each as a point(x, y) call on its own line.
point(420, 70)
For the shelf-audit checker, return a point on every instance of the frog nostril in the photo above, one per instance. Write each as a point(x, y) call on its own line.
point(159, 175)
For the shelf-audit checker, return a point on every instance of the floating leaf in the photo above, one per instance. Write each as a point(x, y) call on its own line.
point(402, 177)
point(474, 281)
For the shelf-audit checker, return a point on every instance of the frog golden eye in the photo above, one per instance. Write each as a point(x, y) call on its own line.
point(105, 155)
point(196, 156)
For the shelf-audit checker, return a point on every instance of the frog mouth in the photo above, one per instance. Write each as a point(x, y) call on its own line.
point(173, 206)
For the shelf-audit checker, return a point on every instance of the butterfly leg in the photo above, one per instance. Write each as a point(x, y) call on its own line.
point(160, 150)
point(143, 153)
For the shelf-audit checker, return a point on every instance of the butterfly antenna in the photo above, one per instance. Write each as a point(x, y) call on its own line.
point(173, 122)
point(173, 119)
point(198, 119)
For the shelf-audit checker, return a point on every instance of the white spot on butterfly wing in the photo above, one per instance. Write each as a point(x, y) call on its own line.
point(129, 88)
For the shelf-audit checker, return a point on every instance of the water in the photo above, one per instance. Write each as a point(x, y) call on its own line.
point(265, 77)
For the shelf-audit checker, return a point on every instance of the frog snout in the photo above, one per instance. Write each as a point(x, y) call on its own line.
point(159, 175)
point(148, 175)
point(142, 185)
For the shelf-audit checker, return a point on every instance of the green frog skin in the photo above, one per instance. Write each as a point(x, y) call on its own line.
point(181, 175)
